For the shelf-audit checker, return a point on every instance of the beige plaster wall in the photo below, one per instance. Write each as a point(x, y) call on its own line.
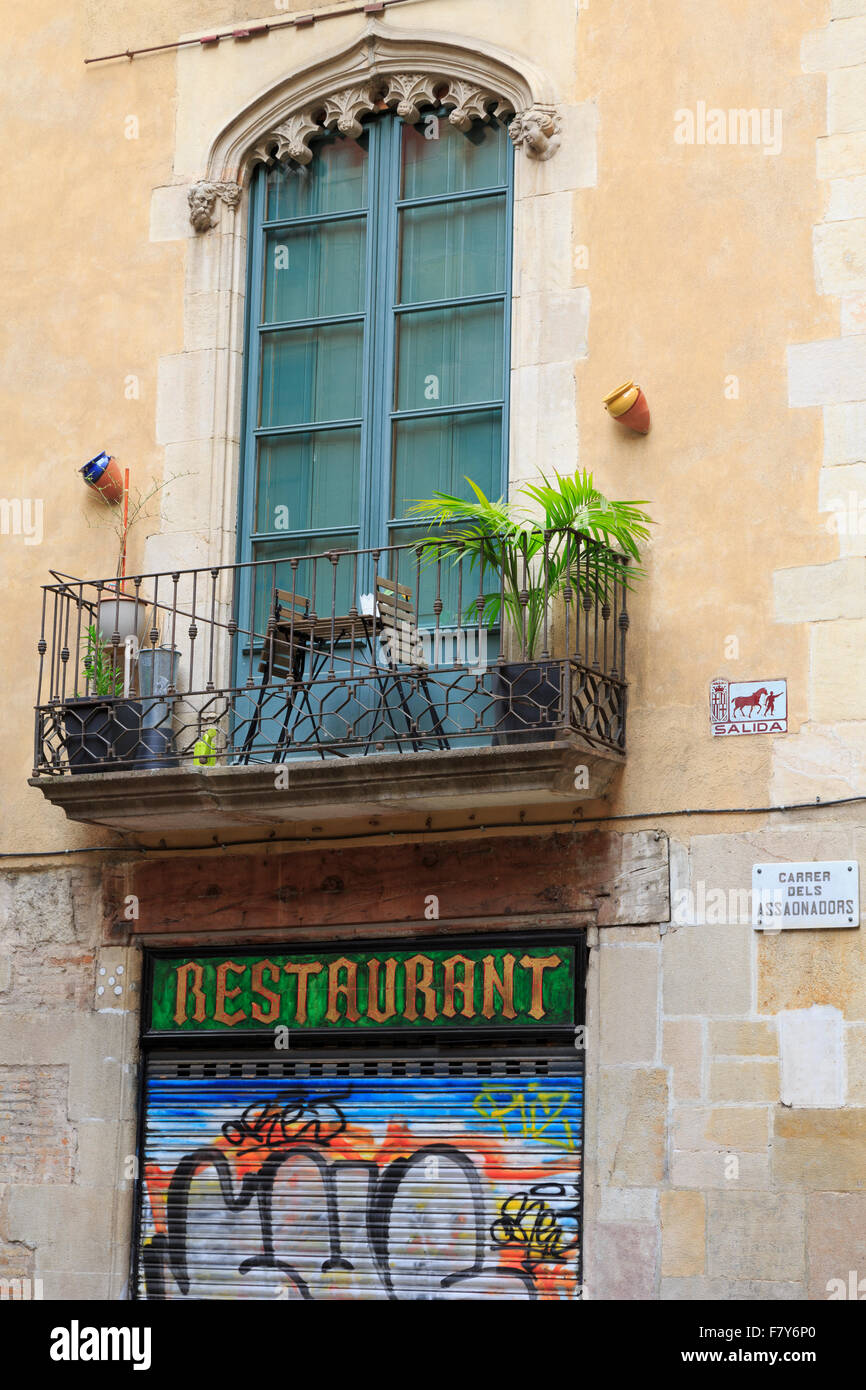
point(681, 265)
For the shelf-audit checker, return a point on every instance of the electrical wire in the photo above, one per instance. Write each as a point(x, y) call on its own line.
point(254, 31)
point(217, 843)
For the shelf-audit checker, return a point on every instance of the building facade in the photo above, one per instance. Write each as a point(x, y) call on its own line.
point(359, 938)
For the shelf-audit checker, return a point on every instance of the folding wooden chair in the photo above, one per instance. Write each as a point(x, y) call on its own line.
point(284, 656)
point(402, 640)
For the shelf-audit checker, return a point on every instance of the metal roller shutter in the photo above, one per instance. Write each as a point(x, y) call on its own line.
point(364, 1178)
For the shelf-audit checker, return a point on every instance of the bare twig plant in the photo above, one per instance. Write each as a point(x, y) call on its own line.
point(122, 518)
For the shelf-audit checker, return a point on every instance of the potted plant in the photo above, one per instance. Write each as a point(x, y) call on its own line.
point(100, 726)
point(527, 572)
point(118, 612)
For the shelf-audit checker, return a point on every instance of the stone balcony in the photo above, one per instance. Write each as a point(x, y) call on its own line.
point(274, 692)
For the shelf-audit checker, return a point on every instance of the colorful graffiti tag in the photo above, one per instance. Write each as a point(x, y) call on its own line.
point(367, 1187)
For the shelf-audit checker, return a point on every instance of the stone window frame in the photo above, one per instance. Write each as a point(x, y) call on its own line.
point(200, 391)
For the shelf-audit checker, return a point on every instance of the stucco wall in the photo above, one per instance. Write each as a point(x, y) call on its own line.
point(683, 265)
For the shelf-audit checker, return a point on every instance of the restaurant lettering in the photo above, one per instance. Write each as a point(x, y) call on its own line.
point(480, 987)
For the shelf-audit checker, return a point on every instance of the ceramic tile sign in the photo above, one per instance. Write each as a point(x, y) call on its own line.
point(748, 707)
point(809, 895)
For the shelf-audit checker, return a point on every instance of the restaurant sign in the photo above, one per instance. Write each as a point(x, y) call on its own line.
point(470, 987)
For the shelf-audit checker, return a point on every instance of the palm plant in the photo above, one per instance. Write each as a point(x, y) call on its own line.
point(580, 538)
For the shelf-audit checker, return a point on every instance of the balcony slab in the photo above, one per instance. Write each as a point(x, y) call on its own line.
point(268, 794)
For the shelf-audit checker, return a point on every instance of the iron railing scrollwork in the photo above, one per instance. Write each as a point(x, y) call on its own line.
point(317, 655)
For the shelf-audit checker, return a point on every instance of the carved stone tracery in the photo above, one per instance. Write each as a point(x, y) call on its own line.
point(408, 72)
point(410, 92)
point(344, 109)
point(288, 140)
point(469, 104)
point(405, 92)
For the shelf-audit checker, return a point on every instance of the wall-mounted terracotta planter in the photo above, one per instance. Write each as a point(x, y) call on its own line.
point(103, 473)
point(628, 406)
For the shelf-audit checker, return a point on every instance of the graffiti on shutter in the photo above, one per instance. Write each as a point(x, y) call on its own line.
point(406, 1180)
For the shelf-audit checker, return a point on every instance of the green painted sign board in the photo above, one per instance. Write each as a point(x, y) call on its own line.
point(443, 987)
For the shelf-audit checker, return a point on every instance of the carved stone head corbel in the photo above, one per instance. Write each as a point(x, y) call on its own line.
point(202, 198)
point(536, 131)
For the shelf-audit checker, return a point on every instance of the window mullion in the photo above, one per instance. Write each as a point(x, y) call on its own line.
point(460, 195)
point(253, 312)
point(315, 219)
point(380, 357)
point(323, 321)
point(369, 369)
point(248, 479)
point(507, 324)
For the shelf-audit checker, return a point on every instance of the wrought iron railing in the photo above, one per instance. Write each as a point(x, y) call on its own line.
point(340, 653)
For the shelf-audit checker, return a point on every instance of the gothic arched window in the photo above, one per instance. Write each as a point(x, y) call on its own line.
point(378, 331)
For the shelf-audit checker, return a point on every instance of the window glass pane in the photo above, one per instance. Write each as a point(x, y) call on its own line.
point(438, 455)
point(449, 356)
point(436, 576)
point(308, 481)
point(311, 375)
point(444, 359)
point(334, 181)
point(455, 161)
point(452, 250)
point(312, 579)
point(311, 272)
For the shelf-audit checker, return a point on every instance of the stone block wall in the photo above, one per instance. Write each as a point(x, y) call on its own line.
point(726, 1105)
point(725, 1149)
point(830, 374)
point(68, 1042)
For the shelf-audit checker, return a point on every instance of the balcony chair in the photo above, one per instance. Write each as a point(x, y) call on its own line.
point(284, 656)
point(396, 610)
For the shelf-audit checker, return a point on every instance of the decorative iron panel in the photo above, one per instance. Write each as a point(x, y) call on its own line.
point(294, 657)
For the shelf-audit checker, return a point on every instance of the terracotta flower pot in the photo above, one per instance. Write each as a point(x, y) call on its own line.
point(628, 406)
point(104, 475)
